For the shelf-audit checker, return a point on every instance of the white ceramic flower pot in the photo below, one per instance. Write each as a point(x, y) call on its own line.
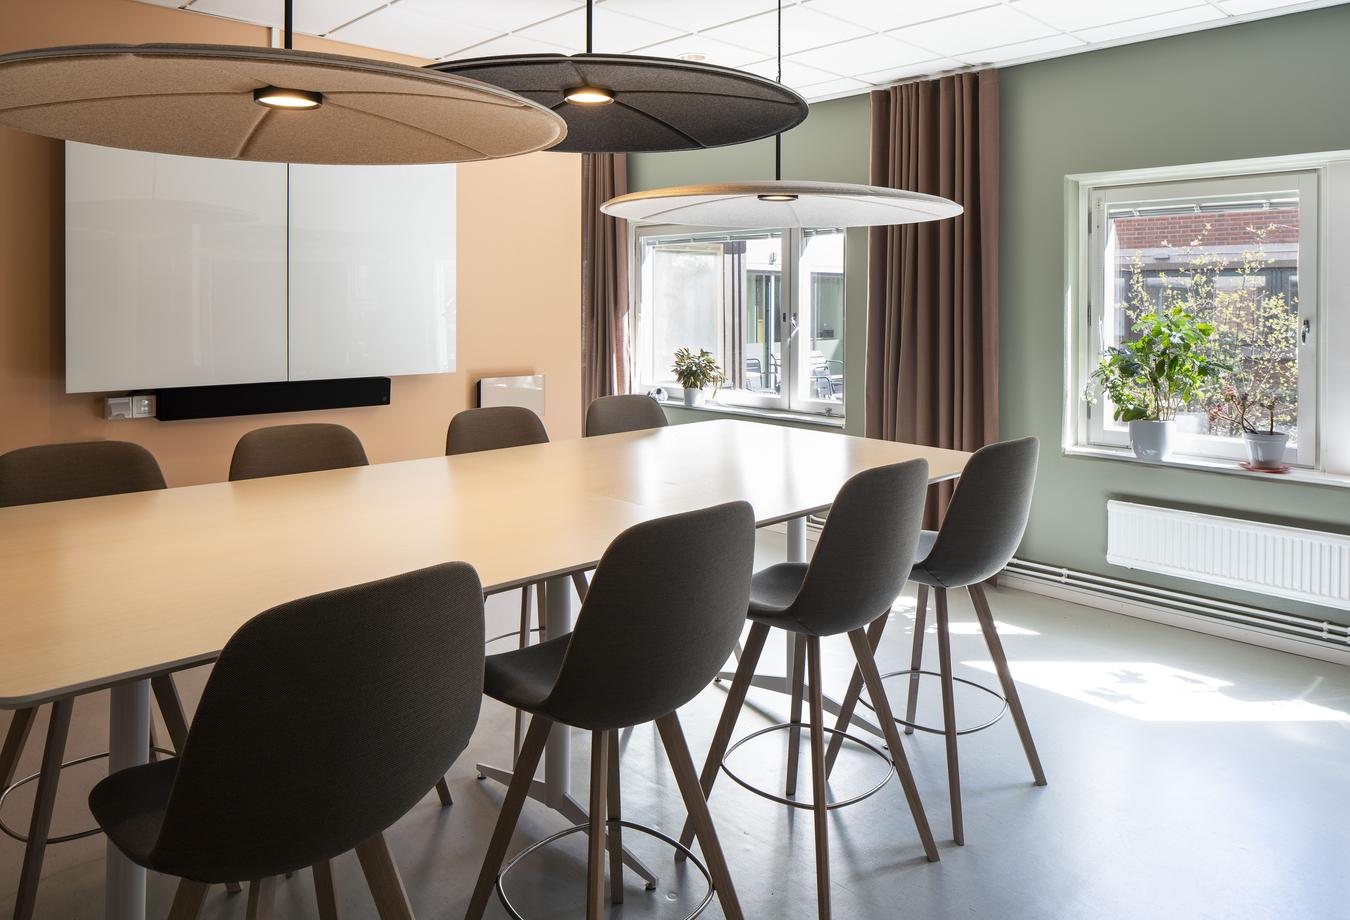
point(1266, 451)
point(693, 397)
point(1152, 440)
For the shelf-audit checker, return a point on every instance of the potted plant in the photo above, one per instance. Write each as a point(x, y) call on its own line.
point(1254, 416)
point(1162, 370)
point(697, 372)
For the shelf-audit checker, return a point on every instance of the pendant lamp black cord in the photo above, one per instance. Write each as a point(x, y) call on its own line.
point(590, 23)
point(287, 31)
point(777, 138)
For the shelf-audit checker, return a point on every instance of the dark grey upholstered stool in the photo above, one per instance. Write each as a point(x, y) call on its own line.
point(635, 656)
point(324, 721)
point(983, 525)
point(52, 473)
point(615, 414)
point(860, 564)
point(285, 449)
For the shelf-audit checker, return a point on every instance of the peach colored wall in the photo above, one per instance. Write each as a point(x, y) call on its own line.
point(519, 291)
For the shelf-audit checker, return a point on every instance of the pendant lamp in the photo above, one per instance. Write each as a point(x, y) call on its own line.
point(780, 204)
point(627, 103)
point(268, 104)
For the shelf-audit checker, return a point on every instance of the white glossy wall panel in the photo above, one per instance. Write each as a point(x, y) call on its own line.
point(372, 278)
point(175, 270)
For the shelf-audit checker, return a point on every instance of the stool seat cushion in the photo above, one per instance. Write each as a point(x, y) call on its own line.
point(129, 805)
point(772, 592)
point(523, 678)
point(920, 574)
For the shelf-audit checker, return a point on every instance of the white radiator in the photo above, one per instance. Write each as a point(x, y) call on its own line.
point(1290, 562)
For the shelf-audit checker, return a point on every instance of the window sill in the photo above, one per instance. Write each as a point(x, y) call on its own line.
point(1208, 465)
point(768, 415)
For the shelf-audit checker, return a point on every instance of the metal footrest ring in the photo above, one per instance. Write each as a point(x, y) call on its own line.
point(65, 838)
point(793, 803)
point(513, 634)
point(627, 825)
point(1003, 710)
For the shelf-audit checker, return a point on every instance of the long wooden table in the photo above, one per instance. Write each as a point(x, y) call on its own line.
point(108, 592)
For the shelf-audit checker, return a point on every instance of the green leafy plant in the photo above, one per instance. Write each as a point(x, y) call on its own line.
point(697, 371)
point(1163, 369)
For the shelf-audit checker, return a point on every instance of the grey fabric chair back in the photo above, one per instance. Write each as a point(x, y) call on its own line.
point(324, 720)
point(58, 472)
point(987, 515)
point(493, 428)
point(285, 449)
point(662, 614)
point(614, 414)
point(865, 550)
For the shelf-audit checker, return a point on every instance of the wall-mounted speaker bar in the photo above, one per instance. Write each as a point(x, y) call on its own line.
point(181, 403)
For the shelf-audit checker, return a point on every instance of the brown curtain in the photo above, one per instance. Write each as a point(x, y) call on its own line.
point(932, 293)
point(604, 279)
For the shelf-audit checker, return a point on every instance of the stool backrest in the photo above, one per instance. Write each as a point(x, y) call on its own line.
point(987, 514)
point(662, 614)
point(865, 550)
point(84, 469)
point(615, 414)
point(324, 720)
point(492, 428)
point(285, 449)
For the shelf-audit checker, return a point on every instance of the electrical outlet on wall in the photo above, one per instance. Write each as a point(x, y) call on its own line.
point(116, 408)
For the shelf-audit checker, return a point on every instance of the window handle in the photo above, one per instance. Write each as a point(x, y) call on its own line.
point(1307, 328)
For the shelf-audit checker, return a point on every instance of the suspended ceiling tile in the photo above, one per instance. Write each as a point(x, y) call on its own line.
point(883, 15)
point(614, 32)
point(1076, 15)
point(802, 28)
point(410, 31)
point(794, 74)
point(1023, 50)
point(1150, 24)
point(842, 86)
point(512, 44)
point(713, 51)
point(690, 15)
point(310, 18)
point(986, 28)
point(497, 15)
point(860, 55)
point(921, 69)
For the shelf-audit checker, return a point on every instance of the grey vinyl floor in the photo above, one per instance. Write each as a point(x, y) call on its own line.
point(1190, 777)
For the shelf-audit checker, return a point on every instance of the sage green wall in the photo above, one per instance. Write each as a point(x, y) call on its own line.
point(831, 145)
point(1277, 86)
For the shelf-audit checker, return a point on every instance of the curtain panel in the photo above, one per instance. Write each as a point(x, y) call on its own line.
point(604, 279)
point(932, 294)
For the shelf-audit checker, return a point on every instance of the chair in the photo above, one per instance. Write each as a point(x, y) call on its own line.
point(615, 414)
point(635, 656)
point(52, 473)
point(860, 564)
point(984, 524)
point(285, 449)
point(324, 720)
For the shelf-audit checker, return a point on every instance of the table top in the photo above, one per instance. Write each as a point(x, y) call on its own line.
point(101, 590)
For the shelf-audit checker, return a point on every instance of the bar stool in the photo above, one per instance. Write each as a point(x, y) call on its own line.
point(51, 473)
point(635, 656)
point(286, 449)
point(860, 564)
point(980, 532)
point(324, 721)
point(616, 414)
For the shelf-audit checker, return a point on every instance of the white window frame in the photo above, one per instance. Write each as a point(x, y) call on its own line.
point(791, 367)
point(1087, 197)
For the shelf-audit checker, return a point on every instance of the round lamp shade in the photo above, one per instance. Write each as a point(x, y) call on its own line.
point(199, 100)
point(783, 203)
point(627, 103)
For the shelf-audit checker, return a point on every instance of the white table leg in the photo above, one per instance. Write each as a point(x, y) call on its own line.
point(557, 621)
point(128, 745)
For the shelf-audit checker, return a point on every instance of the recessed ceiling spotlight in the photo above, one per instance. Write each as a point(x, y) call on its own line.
point(694, 56)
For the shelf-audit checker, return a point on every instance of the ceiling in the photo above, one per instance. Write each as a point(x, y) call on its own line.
point(830, 47)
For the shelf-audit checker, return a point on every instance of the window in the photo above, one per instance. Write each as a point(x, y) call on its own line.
point(1229, 251)
point(769, 304)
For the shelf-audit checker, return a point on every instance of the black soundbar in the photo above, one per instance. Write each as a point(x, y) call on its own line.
point(182, 403)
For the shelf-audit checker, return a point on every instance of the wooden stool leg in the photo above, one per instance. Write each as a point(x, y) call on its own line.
point(798, 679)
point(677, 751)
point(740, 684)
point(386, 886)
point(171, 708)
point(949, 717)
point(43, 806)
point(325, 892)
point(916, 657)
point(595, 850)
point(261, 899)
point(516, 793)
point(819, 792)
point(20, 725)
point(615, 829)
point(443, 793)
point(579, 582)
point(524, 641)
point(850, 703)
point(188, 900)
point(1005, 678)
